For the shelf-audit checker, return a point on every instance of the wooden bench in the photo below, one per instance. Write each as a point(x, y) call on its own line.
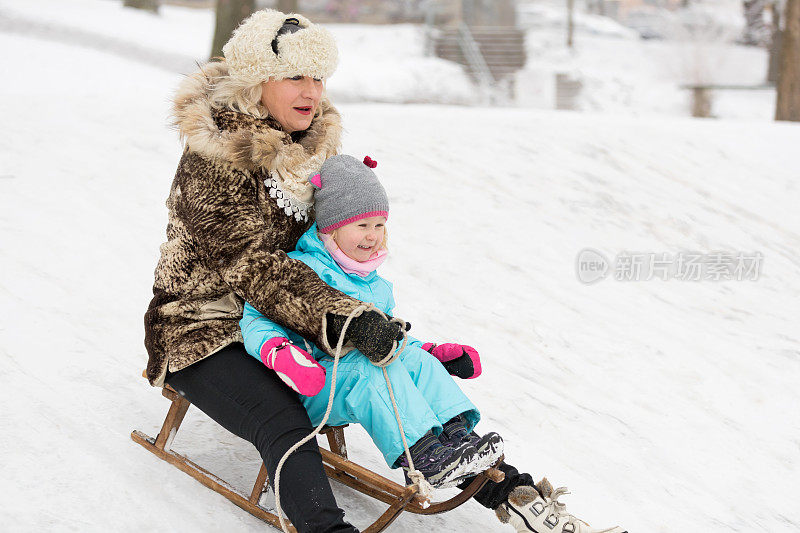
point(701, 95)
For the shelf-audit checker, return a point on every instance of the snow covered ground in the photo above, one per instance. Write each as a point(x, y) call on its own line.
point(624, 74)
point(664, 405)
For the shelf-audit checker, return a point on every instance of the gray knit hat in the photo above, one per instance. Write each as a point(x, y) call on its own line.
point(347, 190)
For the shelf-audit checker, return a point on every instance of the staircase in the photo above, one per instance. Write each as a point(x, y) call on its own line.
point(502, 48)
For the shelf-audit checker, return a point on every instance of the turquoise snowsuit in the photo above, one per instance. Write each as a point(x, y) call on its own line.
point(426, 394)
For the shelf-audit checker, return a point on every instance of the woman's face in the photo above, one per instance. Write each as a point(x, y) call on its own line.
point(292, 101)
point(362, 238)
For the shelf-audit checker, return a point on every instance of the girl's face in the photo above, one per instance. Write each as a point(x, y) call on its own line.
point(362, 238)
point(292, 101)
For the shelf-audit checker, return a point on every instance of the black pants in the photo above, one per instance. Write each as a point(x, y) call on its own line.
point(250, 401)
point(493, 494)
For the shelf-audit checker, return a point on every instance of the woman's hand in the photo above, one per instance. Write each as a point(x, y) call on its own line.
point(370, 332)
point(458, 359)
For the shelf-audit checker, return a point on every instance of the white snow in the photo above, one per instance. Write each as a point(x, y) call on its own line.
point(663, 405)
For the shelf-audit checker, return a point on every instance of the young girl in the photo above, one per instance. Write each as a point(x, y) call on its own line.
point(344, 247)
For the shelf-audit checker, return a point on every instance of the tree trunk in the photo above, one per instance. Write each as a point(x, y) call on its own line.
point(570, 22)
point(701, 102)
point(775, 45)
point(788, 106)
point(147, 5)
point(229, 14)
point(287, 6)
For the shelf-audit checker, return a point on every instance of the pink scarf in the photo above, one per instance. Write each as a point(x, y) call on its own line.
point(349, 265)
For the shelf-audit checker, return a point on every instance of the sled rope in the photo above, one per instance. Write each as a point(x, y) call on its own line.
point(424, 488)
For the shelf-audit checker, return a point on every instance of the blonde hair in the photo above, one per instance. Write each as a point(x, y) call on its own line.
point(243, 96)
point(238, 95)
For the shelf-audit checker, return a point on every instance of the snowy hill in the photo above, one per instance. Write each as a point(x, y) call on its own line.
point(664, 405)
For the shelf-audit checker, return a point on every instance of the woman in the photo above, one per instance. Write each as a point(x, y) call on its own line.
point(256, 126)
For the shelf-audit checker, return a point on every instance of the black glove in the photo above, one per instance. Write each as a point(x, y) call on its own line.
point(460, 367)
point(371, 333)
point(459, 360)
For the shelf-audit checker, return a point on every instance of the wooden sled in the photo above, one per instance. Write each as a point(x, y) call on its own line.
point(336, 465)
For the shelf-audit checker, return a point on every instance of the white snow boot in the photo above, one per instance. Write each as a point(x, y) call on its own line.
point(538, 510)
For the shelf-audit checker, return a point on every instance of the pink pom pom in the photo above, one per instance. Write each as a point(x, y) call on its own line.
point(370, 162)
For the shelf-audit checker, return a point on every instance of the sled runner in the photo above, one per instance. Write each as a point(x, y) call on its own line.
point(337, 466)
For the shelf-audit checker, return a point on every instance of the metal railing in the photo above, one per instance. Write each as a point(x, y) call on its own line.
point(491, 55)
point(476, 63)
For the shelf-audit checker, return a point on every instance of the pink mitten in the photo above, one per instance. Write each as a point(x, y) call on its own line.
point(293, 365)
point(458, 359)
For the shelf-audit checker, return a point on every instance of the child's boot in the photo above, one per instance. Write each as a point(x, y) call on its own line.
point(440, 464)
point(537, 509)
point(489, 446)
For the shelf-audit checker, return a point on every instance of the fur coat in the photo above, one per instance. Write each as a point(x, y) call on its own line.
point(227, 238)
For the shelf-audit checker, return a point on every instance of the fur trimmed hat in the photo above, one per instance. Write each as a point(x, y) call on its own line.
point(347, 190)
point(307, 51)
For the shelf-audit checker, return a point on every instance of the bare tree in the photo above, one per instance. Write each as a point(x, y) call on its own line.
point(775, 44)
point(229, 14)
point(147, 5)
point(756, 32)
point(788, 105)
point(489, 12)
point(287, 6)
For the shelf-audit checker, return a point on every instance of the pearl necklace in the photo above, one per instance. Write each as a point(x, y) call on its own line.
point(286, 201)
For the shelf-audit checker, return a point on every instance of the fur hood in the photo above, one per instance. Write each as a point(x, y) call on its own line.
point(247, 142)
